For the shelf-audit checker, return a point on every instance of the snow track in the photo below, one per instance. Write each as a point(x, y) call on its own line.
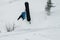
point(24, 31)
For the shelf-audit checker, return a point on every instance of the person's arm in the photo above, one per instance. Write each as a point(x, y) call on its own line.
point(19, 17)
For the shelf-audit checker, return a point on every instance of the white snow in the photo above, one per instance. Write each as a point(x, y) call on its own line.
point(42, 27)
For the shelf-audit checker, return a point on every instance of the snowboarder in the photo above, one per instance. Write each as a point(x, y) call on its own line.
point(26, 14)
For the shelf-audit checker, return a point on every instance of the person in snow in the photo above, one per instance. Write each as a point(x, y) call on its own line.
point(26, 14)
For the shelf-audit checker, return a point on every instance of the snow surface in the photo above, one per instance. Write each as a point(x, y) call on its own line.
point(42, 27)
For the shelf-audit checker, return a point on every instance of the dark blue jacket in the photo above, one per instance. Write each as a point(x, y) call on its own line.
point(23, 16)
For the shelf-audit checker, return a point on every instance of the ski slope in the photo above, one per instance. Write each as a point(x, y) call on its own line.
point(42, 27)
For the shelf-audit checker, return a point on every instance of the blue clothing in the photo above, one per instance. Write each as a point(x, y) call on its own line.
point(23, 15)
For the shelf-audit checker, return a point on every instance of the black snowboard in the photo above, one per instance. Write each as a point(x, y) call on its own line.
point(27, 11)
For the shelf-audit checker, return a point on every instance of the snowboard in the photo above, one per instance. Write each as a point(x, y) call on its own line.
point(27, 12)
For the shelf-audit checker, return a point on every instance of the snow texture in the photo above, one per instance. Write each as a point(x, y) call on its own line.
point(42, 27)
